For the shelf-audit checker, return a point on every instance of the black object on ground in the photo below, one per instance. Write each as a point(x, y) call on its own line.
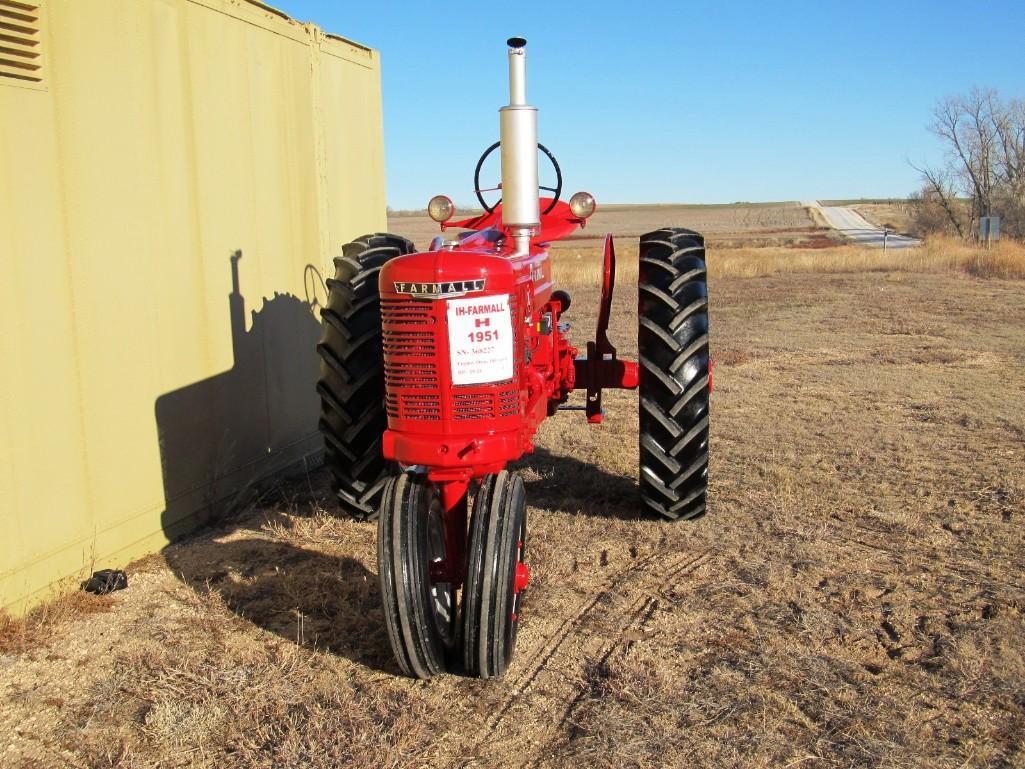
point(106, 581)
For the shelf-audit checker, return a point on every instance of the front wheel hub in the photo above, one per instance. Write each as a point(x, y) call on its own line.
point(522, 577)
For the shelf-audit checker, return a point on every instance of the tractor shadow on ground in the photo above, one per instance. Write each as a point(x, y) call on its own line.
point(309, 598)
point(570, 485)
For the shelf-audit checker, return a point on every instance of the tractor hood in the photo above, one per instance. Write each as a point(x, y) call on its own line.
point(447, 274)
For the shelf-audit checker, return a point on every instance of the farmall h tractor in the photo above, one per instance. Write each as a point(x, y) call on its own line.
point(439, 365)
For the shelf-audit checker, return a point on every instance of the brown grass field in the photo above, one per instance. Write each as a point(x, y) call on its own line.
point(854, 598)
point(893, 216)
point(739, 224)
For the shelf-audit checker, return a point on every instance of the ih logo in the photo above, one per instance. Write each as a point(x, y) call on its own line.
point(445, 290)
point(482, 322)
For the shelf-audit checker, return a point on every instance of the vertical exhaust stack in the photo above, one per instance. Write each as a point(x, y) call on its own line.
point(521, 212)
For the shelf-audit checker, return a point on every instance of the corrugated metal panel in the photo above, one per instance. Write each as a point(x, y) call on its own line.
point(169, 202)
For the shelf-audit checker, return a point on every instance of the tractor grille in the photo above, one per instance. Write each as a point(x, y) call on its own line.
point(504, 403)
point(410, 360)
point(412, 382)
point(413, 406)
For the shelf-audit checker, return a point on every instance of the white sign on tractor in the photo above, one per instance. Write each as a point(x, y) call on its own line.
point(480, 340)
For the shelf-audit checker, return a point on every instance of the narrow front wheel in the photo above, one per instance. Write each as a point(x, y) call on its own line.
point(496, 575)
point(419, 604)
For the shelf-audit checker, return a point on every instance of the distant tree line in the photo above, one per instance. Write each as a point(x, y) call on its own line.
point(984, 170)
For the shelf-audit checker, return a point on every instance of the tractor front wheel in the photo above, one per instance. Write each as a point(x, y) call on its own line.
point(675, 383)
point(419, 606)
point(495, 575)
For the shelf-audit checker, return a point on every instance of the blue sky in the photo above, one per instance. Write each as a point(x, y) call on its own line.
point(653, 102)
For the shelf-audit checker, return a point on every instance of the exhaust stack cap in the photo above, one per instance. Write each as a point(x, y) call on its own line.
point(518, 134)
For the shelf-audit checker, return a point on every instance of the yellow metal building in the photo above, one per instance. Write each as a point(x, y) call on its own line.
point(175, 177)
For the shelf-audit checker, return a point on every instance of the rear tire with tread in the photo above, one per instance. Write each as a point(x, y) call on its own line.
point(672, 341)
point(351, 384)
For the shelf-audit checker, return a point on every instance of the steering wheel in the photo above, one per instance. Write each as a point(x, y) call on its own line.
point(557, 189)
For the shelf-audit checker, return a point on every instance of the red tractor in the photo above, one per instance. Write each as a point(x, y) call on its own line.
point(438, 366)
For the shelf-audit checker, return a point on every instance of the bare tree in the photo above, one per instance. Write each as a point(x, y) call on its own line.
point(937, 192)
point(1009, 125)
point(985, 161)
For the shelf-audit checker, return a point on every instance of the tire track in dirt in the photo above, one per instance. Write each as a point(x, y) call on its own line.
point(552, 689)
point(641, 612)
point(525, 679)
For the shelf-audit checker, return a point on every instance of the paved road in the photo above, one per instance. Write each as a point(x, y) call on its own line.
point(858, 229)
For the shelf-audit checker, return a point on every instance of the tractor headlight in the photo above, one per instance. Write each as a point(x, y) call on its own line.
point(441, 208)
point(582, 204)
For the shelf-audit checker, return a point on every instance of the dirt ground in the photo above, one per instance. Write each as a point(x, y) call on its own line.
point(735, 224)
point(855, 596)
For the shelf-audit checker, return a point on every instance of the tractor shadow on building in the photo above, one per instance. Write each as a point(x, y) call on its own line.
point(222, 436)
point(226, 442)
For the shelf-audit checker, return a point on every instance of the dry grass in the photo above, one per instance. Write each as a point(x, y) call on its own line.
point(1006, 259)
point(893, 215)
point(854, 598)
point(582, 266)
point(41, 626)
point(172, 704)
